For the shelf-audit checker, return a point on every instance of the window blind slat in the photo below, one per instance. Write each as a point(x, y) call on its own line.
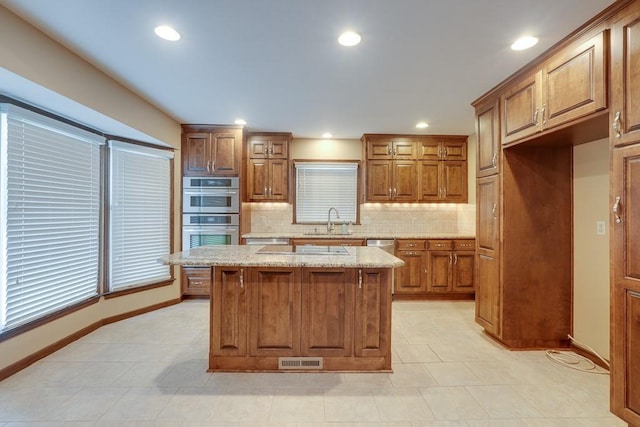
point(140, 209)
point(50, 185)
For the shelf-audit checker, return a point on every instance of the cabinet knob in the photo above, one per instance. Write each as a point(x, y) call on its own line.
point(617, 125)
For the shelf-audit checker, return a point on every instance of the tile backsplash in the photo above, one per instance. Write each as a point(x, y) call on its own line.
point(377, 217)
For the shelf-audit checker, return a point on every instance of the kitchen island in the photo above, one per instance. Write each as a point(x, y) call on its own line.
point(276, 308)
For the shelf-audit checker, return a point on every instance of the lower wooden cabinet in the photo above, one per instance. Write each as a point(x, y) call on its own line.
point(196, 281)
point(435, 268)
point(259, 314)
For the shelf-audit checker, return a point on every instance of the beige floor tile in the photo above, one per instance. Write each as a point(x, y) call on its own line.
point(452, 374)
point(452, 403)
point(503, 402)
point(404, 404)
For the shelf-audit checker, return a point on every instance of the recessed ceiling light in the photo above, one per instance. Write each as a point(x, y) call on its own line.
point(167, 33)
point(524, 43)
point(327, 135)
point(349, 38)
point(240, 122)
point(422, 125)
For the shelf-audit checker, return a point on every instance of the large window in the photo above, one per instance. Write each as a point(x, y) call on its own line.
point(78, 217)
point(139, 216)
point(323, 185)
point(50, 193)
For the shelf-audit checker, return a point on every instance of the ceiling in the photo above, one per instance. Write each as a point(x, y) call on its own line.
point(277, 63)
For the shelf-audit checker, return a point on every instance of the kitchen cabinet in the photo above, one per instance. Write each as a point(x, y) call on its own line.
point(196, 281)
point(228, 319)
point(268, 167)
point(625, 79)
point(488, 138)
point(261, 314)
point(210, 150)
point(411, 278)
point(625, 282)
point(450, 266)
point(571, 84)
point(396, 163)
point(488, 289)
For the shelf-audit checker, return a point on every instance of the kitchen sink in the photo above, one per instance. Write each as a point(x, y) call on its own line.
point(303, 250)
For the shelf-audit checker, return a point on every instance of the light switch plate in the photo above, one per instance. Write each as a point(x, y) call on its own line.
point(600, 228)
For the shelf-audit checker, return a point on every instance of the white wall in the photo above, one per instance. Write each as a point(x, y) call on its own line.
point(591, 251)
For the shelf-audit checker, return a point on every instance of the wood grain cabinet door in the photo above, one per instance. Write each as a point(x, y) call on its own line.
point(463, 271)
point(405, 177)
point(488, 139)
point(327, 311)
point(229, 312)
point(625, 77)
point(521, 108)
point(574, 83)
point(379, 173)
point(625, 276)
point(410, 278)
point(278, 179)
point(372, 333)
point(226, 153)
point(258, 179)
point(439, 266)
point(197, 153)
point(430, 184)
point(454, 181)
point(274, 321)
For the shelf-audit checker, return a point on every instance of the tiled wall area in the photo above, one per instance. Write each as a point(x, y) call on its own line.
point(377, 217)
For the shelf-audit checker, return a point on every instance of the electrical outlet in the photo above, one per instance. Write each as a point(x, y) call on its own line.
point(600, 228)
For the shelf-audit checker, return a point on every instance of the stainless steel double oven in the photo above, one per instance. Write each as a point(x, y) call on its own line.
point(210, 211)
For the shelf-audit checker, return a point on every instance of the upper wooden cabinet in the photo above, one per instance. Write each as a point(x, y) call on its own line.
point(625, 78)
point(268, 166)
point(570, 85)
point(415, 168)
point(210, 150)
point(488, 138)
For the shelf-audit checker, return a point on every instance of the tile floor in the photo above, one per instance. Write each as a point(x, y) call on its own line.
point(151, 371)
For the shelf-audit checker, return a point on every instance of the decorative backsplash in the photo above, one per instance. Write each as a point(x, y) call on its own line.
point(377, 217)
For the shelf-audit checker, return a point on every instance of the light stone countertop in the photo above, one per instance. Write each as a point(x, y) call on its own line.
point(246, 256)
point(356, 235)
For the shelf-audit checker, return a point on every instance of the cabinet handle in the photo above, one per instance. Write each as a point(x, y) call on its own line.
point(494, 159)
point(616, 210)
point(616, 125)
point(270, 191)
point(634, 294)
point(493, 211)
point(389, 150)
point(265, 191)
point(213, 166)
point(242, 277)
point(450, 259)
point(271, 150)
point(395, 192)
point(209, 166)
point(359, 278)
point(395, 152)
point(455, 258)
point(390, 196)
point(193, 282)
point(535, 117)
point(544, 118)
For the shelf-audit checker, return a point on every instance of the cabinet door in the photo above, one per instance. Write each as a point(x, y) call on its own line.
point(625, 244)
point(411, 277)
point(488, 139)
point(379, 149)
point(404, 149)
point(574, 83)
point(488, 298)
point(454, 181)
point(197, 153)
point(625, 79)
point(278, 179)
point(274, 322)
point(520, 108)
point(454, 149)
point(327, 311)
point(439, 267)
point(405, 176)
point(488, 211)
point(279, 148)
point(228, 320)
point(196, 280)
point(429, 149)
point(372, 332)
point(258, 179)
point(258, 147)
point(379, 180)
point(226, 153)
point(430, 188)
point(463, 272)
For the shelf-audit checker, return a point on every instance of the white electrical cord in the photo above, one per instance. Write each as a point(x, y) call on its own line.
point(576, 361)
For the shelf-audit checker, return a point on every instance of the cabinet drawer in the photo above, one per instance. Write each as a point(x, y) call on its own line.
point(196, 280)
point(465, 245)
point(440, 245)
point(411, 245)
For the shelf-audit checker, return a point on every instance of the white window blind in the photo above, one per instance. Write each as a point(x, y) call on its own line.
point(50, 211)
point(139, 215)
point(322, 185)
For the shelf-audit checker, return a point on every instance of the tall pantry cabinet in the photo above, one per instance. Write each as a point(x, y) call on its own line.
point(625, 211)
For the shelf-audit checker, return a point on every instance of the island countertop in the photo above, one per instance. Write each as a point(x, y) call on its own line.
point(246, 256)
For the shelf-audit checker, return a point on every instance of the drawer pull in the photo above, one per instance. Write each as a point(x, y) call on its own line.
point(242, 277)
point(198, 283)
point(634, 294)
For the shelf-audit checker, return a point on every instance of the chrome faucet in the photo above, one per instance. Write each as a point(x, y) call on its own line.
point(329, 223)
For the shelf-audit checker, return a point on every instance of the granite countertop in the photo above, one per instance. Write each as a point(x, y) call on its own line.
point(245, 255)
point(356, 235)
